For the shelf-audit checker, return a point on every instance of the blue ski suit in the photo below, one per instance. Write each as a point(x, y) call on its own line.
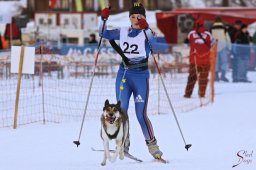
point(133, 80)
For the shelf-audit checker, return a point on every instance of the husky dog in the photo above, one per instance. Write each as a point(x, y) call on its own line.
point(114, 125)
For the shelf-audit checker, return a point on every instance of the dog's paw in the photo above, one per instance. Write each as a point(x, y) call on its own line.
point(103, 163)
point(121, 155)
point(112, 159)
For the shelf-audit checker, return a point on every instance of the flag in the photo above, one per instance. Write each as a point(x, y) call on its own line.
point(52, 3)
point(121, 4)
point(103, 4)
point(79, 6)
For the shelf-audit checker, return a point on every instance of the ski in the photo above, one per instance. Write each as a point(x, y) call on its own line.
point(126, 154)
point(161, 160)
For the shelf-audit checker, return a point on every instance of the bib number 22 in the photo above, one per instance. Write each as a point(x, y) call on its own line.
point(130, 49)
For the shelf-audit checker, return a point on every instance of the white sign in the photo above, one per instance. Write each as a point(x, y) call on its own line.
point(5, 19)
point(28, 62)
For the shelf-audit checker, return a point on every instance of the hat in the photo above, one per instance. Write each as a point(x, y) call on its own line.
point(137, 8)
point(243, 26)
point(199, 23)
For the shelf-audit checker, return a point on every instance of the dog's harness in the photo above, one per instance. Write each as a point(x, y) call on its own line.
point(117, 131)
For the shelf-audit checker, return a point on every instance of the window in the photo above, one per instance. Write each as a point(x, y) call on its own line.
point(41, 21)
point(63, 5)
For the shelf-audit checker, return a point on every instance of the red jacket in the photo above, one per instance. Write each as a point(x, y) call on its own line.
point(200, 46)
point(16, 33)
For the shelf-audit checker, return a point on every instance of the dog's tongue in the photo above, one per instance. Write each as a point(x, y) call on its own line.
point(111, 119)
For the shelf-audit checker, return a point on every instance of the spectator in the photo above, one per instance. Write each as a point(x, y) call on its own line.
point(104, 42)
point(200, 43)
point(13, 33)
point(233, 32)
point(92, 39)
point(1, 42)
point(254, 50)
point(220, 33)
point(242, 53)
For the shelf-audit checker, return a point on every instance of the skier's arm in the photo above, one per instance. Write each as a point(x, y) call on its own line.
point(109, 34)
point(151, 36)
point(152, 40)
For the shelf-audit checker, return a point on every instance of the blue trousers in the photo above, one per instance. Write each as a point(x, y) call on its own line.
point(136, 82)
point(242, 67)
point(222, 61)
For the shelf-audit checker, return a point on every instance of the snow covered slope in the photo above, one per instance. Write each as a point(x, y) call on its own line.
point(217, 133)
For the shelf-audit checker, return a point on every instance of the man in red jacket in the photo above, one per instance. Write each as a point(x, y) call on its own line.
point(200, 41)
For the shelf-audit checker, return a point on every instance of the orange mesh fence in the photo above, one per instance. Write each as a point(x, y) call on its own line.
point(58, 89)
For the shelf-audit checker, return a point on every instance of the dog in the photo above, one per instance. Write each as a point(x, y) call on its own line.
point(114, 125)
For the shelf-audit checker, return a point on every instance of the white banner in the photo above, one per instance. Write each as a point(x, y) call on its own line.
point(5, 19)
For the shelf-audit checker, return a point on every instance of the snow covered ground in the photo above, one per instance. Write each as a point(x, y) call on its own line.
point(217, 132)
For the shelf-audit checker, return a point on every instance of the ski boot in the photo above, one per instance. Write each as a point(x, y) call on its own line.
point(153, 148)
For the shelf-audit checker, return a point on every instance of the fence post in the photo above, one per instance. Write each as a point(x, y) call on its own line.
point(213, 69)
point(41, 75)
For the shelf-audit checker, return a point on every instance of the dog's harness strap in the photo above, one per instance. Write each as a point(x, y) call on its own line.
point(115, 134)
point(125, 60)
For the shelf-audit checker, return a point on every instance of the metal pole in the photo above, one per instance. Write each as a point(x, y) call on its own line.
point(158, 89)
point(187, 146)
point(90, 86)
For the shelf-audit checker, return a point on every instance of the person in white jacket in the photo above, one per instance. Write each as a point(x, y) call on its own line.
point(220, 34)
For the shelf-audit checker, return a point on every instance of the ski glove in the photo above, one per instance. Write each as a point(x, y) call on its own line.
point(105, 13)
point(143, 24)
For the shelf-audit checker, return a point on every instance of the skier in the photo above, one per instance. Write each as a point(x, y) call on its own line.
point(133, 73)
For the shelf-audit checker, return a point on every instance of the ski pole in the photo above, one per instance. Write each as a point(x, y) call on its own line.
point(91, 81)
point(187, 146)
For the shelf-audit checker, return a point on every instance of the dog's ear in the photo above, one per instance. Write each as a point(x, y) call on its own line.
point(119, 103)
point(106, 102)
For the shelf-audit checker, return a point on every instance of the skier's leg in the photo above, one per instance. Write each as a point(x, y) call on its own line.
point(192, 77)
point(203, 78)
point(141, 94)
